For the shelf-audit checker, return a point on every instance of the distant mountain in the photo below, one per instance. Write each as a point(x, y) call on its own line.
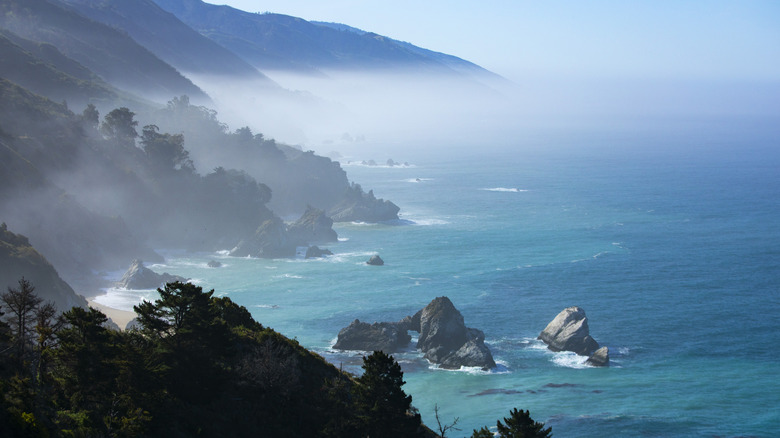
point(167, 37)
point(108, 52)
point(281, 42)
point(453, 62)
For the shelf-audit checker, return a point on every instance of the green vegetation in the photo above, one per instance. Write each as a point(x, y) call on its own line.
point(196, 365)
point(519, 424)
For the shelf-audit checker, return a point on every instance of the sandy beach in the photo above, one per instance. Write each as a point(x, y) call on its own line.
point(120, 317)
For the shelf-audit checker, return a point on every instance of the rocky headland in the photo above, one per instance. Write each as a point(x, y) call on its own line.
point(139, 276)
point(444, 338)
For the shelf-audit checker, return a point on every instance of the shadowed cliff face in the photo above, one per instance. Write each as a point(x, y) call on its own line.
point(19, 259)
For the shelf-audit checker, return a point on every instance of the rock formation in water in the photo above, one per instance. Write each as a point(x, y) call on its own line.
point(380, 336)
point(444, 338)
point(214, 264)
point(274, 239)
point(357, 206)
point(139, 276)
point(312, 227)
point(315, 251)
point(19, 259)
point(569, 332)
point(375, 260)
point(600, 358)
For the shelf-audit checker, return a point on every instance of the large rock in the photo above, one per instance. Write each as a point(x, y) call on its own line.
point(274, 239)
point(315, 251)
point(600, 358)
point(270, 240)
point(445, 339)
point(379, 336)
point(139, 276)
point(357, 206)
point(312, 227)
point(569, 332)
point(375, 260)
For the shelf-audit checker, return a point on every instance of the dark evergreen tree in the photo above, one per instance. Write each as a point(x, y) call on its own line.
point(482, 433)
point(166, 151)
point(90, 116)
point(519, 424)
point(383, 408)
point(21, 303)
point(120, 126)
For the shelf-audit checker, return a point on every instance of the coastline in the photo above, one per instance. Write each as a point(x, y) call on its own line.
point(120, 317)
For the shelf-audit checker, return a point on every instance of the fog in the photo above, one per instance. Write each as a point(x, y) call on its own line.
point(397, 112)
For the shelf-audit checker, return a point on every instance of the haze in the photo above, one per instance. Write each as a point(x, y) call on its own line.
point(568, 64)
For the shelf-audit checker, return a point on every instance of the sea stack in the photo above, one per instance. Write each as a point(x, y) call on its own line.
point(569, 332)
point(445, 339)
point(375, 260)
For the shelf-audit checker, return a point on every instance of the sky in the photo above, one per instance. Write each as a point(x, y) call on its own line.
point(661, 39)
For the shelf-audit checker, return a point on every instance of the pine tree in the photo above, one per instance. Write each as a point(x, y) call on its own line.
point(519, 424)
point(383, 408)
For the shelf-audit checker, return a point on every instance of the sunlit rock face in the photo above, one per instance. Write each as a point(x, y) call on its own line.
point(569, 332)
point(445, 339)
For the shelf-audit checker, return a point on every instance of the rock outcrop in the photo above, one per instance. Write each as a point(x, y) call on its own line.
point(569, 332)
point(312, 227)
point(357, 206)
point(385, 336)
point(139, 276)
point(214, 264)
point(270, 240)
point(315, 251)
point(274, 239)
point(375, 260)
point(444, 338)
point(600, 358)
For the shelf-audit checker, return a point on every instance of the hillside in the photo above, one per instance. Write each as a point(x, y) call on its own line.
point(19, 259)
point(281, 42)
point(111, 54)
point(167, 37)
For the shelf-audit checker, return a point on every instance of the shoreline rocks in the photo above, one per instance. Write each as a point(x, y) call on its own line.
point(444, 338)
point(385, 336)
point(569, 332)
point(139, 276)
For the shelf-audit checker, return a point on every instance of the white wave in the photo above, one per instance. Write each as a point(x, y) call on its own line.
point(428, 222)
point(343, 239)
point(569, 360)
point(501, 368)
point(288, 276)
point(223, 252)
point(266, 306)
point(418, 180)
point(505, 189)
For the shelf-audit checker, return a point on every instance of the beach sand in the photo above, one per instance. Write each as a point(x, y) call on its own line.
point(120, 317)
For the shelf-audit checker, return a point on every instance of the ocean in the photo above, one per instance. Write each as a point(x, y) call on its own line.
point(669, 239)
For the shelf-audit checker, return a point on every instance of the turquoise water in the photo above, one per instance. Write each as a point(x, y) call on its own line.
point(671, 244)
